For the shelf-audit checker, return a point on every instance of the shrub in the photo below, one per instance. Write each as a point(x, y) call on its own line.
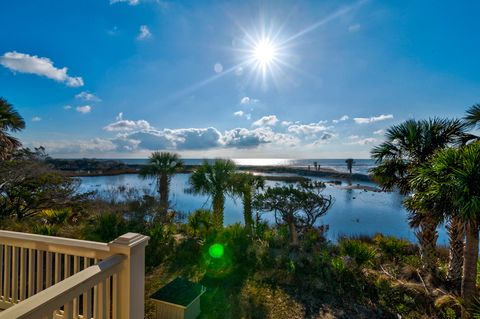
point(393, 248)
point(160, 244)
point(362, 253)
point(105, 227)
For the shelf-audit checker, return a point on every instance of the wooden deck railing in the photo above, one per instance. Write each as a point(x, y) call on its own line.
point(52, 277)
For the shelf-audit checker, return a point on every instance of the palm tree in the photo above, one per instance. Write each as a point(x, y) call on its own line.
point(10, 121)
point(473, 115)
point(215, 180)
point(349, 162)
point(441, 204)
point(162, 166)
point(407, 146)
point(457, 172)
point(245, 185)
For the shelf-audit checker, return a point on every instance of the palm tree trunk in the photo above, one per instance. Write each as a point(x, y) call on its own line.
point(247, 210)
point(218, 205)
point(163, 191)
point(456, 233)
point(470, 259)
point(427, 236)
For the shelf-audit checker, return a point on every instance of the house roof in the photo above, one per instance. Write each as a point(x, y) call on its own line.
point(179, 291)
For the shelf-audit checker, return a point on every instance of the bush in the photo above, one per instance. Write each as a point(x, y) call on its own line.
point(160, 244)
point(362, 253)
point(391, 247)
point(105, 227)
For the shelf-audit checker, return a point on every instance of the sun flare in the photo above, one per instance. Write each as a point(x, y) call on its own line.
point(264, 52)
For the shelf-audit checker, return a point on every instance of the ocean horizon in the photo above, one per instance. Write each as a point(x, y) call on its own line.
point(361, 166)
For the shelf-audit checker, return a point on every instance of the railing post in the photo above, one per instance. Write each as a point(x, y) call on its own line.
point(131, 278)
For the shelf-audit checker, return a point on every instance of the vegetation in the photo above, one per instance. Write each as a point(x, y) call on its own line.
point(408, 145)
point(162, 166)
point(350, 163)
point(288, 269)
point(10, 121)
point(215, 180)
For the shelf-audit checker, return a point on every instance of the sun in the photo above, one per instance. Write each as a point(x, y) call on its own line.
point(264, 52)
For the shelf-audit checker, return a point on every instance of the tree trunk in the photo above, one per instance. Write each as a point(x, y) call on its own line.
point(470, 258)
point(163, 185)
point(293, 234)
point(247, 210)
point(427, 236)
point(218, 205)
point(456, 233)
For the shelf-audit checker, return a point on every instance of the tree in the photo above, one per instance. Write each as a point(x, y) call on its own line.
point(407, 146)
point(473, 115)
point(441, 204)
point(457, 172)
point(215, 180)
point(350, 163)
point(245, 185)
point(299, 207)
point(29, 187)
point(10, 121)
point(162, 166)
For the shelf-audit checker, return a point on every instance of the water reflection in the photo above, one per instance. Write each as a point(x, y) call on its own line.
point(354, 211)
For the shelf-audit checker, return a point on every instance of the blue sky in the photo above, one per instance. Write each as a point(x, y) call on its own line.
point(100, 78)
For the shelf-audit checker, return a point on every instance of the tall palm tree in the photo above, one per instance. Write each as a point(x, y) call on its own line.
point(245, 185)
point(441, 204)
point(457, 172)
point(407, 146)
point(162, 166)
point(215, 180)
point(10, 121)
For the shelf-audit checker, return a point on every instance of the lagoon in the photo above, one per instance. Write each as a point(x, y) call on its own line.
point(354, 212)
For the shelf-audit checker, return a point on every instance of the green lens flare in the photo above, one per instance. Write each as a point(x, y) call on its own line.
point(216, 251)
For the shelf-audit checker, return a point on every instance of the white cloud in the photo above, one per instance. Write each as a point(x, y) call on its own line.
point(86, 147)
point(366, 120)
point(269, 120)
point(308, 129)
point(144, 33)
point(127, 126)
point(286, 123)
point(36, 119)
point(379, 132)
point(119, 117)
point(343, 118)
point(179, 139)
point(32, 64)
point(354, 27)
point(248, 100)
point(130, 2)
point(242, 114)
point(84, 109)
point(353, 137)
point(86, 96)
point(67, 107)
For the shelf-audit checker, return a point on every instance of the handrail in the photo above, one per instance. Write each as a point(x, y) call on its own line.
point(47, 301)
point(56, 244)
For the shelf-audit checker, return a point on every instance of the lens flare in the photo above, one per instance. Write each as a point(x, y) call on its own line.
point(216, 251)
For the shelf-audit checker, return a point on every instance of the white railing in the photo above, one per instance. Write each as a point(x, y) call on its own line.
point(53, 277)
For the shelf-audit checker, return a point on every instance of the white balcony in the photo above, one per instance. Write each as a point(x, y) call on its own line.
point(53, 277)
